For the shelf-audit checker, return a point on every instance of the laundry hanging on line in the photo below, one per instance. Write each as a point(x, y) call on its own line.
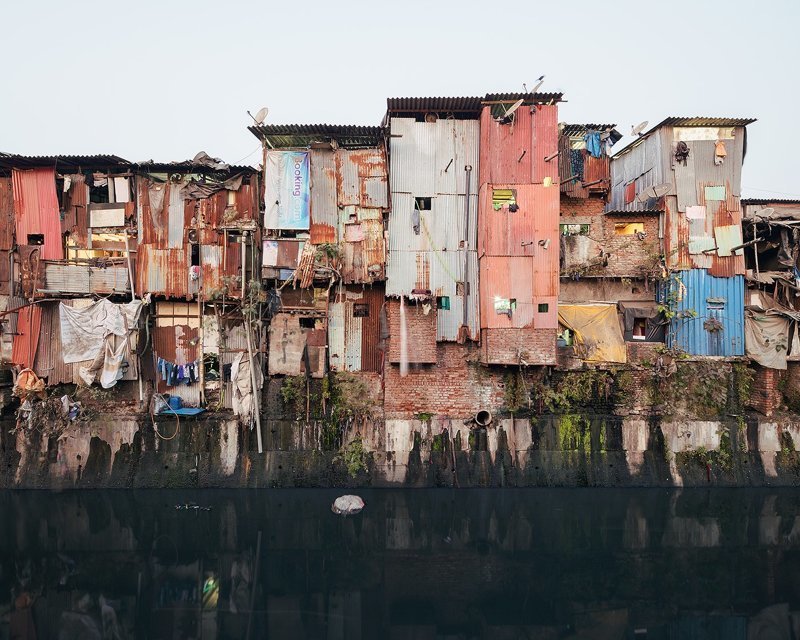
point(176, 374)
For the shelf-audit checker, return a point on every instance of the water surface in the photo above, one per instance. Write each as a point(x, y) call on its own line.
point(498, 563)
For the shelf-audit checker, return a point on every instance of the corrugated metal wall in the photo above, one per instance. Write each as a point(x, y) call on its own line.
point(324, 209)
point(26, 340)
point(711, 298)
point(428, 159)
point(354, 342)
point(6, 214)
point(515, 153)
point(85, 279)
point(641, 165)
point(37, 211)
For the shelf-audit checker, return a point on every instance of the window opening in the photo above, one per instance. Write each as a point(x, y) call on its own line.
point(195, 255)
point(308, 323)
point(460, 288)
point(360, 310)
point(544, 307)
point(504, 198)
point(35, 239)
point(505, 306)
point(628, 228)
point(639, 329)
point(423, 204)
point(574, 229)
point(443, 302)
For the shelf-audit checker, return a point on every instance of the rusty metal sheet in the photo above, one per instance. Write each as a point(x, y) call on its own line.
point(177, 344)
point(506, 233)
point(507, 278)
point(86, 279)
point(36, 210)
point(6, 214)
point(506, 149)
point(354, 338)
point(5, 272)
point(364, 261)
point(324, 209)
point(207, 214)
point(362, 178)
point(26, 340)
point(545, 142)
point(407, 271)
point(211, 270)
point(162, 272)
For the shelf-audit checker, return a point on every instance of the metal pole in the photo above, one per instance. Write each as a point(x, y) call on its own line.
point(130, 269)
point(256, 398)
point(468, 170)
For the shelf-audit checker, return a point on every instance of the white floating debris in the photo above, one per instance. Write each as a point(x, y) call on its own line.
point(347, 505)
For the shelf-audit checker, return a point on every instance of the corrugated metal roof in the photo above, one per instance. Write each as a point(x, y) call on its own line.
point(580, 129)
point(712, 299)
point(767, 201)
point(62, 163)
point(691, 121)
point(301, 135)
point(189, 166)
point(460, 106)
point(529, 98)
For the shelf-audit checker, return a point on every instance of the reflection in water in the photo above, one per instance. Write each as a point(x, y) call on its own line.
point(513, 563)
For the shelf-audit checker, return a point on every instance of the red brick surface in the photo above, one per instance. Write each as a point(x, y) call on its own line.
point(421, 330)
point(518, 346)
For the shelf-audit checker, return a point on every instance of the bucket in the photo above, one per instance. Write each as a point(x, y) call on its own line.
point(175, 403)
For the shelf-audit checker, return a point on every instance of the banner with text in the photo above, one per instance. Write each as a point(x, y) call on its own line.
point(287, 190)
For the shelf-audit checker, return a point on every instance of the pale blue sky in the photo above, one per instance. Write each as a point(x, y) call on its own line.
point(166, 79)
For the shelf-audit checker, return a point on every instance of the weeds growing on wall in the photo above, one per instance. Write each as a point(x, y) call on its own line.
point(354, 457)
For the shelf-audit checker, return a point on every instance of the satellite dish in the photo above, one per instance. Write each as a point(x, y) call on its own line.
point(514, 107)
point(637, 130)
point(654, 192)
point(766, 212)
point(539, 83)
point(260, 116)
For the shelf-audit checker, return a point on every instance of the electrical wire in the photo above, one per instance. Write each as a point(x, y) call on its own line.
point(153, 419)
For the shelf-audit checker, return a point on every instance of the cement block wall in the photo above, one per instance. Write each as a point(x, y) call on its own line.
point(565, 450)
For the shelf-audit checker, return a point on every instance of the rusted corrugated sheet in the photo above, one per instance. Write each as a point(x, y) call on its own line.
point(36, 210)
point(76, 215)
point(507, 278)
point(6, 214)
point(363, 261)
point(506, 149)
point(545, 142)
point(324, 212)
point(354, 340)
point(5, 273)
point(49, 356)
point(362, 178)
point(162, 272)
point(26, 340)
point(177, 344)
point(518, 233)
point(208, 214)
point(211, 268)
point(75, 278)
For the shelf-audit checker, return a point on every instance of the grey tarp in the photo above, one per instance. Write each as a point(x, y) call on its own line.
point(244, 401)
point(84, 330)
point(766, 336)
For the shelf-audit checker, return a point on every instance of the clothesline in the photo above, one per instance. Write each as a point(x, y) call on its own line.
point(175, 374)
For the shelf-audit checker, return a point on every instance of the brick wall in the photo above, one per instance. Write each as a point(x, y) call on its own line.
point(508, 346)
point(627, 254)
point(456, 386)
point(643, 352)
point(421, 330)
point(765, 395)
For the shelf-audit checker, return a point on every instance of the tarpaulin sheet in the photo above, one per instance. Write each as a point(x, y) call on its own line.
point(287, 194)
point(766, 338)
point(244, 400)
point(84, 330)
point(596, 330)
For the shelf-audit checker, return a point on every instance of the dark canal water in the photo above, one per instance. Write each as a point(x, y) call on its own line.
point(500, 564)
